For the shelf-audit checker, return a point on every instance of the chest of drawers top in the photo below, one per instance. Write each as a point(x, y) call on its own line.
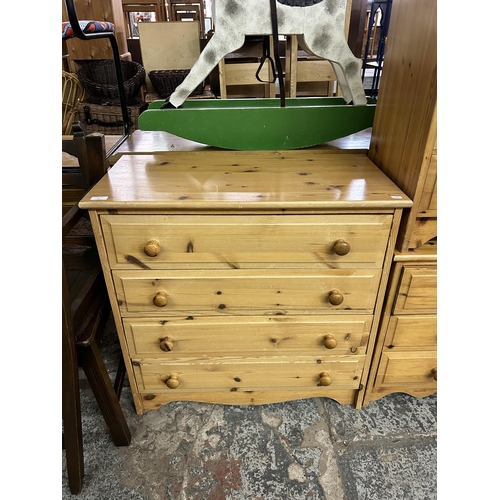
point(238, 181)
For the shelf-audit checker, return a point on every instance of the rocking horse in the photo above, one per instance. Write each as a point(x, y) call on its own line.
point(269, 123)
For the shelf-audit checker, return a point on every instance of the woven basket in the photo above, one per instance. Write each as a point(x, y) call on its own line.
point(99, 80)
point(165, 81)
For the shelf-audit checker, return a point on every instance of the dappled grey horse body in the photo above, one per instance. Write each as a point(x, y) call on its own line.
point(319, 28)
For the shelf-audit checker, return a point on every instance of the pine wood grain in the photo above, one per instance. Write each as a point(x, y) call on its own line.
point(260, 314)
point(246, 241)
point(247, 292)
point(234, 374)
point(258, 335)
point(237, 180)
point(404, 132)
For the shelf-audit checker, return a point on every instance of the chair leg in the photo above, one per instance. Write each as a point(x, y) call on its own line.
point(90, 359)
point(120, 377)
point(71, 414)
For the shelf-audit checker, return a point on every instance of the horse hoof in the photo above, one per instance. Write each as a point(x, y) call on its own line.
point(167, 105)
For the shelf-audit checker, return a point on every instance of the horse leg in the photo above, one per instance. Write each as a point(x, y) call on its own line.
point(339, 73)
point(346, 93)
point(218, 47)
point(347, 67)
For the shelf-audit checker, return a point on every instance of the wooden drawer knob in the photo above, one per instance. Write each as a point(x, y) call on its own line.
point(335, 298)
point(341, 247)
point(329, 341)
point(160, 299)
point(152, 248)
point(325, 379)
point(434, 372)
point(166, 344)
point(172, 382)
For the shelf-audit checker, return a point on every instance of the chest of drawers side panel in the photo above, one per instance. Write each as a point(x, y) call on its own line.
point(378, 308)
point(103, 255)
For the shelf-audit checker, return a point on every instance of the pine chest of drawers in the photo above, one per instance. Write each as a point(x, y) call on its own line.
point(405, 354)
point(246, 277)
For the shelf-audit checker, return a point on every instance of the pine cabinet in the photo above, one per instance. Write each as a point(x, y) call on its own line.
point(246, 277)
point(404, 147)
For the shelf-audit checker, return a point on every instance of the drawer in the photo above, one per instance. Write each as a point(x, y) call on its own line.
point(225, 242)
point(246, 292)
point(417, 292)
point(274, 335)
point(412, 332)
point(234, 374)
point(400, 368)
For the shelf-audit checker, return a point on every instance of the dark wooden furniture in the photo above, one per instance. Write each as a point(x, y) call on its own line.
point(85, 311)
point(85, 165)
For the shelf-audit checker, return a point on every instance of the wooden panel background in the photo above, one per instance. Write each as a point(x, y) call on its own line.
point(170, 45)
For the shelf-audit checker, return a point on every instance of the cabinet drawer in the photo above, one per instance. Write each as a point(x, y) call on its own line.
point(412, 331)
point(269, 292)
point(274, 335)
point(417, 291)
point(225, 242)
point(399, 368)
point(250, 374)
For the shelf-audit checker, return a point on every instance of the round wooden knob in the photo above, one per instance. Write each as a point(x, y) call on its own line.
point(152, 248)
point(325, 379)
point(160, 299)
point(329, 341)
point(172, 382)
point(335, 298)
point(166, 344)
point(434, 372)
point(341, 247)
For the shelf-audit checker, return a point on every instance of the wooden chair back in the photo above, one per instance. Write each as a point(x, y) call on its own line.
point(72, 93)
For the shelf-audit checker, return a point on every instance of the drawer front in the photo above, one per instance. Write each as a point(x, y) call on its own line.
point(224, 242)
point(250, 374)
point(417, 291)
point(400, 368)
point(412, 332)
point(275, 335)
point(245, 292)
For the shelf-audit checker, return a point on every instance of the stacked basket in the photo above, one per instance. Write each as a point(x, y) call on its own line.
point(99, 79)
point(101, 110)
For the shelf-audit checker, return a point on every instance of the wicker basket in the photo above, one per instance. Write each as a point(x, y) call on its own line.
point(99, 80)
point(108, 119)
point(165, 81)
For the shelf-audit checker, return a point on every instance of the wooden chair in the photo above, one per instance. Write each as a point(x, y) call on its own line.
point(237, 79)
point(85, 311)
point(130, 7)
point(316, 75)
point(72, 94)
point(89, 166)
point(185, 10)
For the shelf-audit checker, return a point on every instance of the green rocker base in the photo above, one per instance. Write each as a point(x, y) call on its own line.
point(260, 124)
